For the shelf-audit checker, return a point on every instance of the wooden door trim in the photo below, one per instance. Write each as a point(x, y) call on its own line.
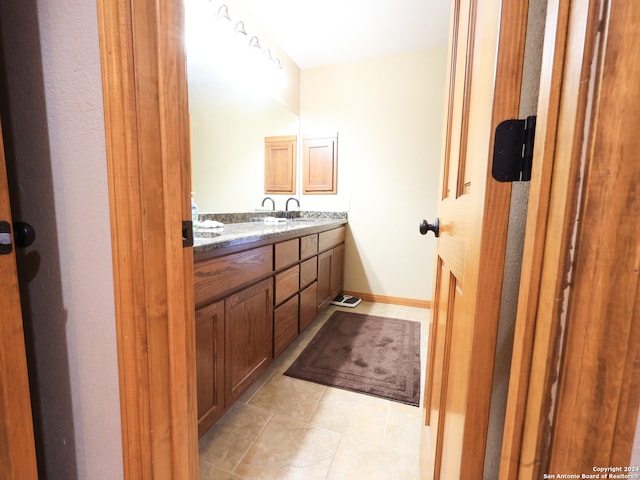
point(548, 400)
point(146, 122)
point(535, 239)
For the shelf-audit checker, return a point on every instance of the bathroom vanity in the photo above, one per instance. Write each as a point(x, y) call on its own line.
point(257, 286)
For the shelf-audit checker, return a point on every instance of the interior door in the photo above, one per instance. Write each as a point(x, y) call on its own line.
point(17, 447)
point(486, 56)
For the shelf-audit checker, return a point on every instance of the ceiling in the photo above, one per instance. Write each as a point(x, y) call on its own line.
point(324, 32)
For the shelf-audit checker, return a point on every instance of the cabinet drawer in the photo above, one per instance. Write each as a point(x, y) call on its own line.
point(285, 325)
point(330, 239)
point(308, 307)
point(308, 271)
point(287, 253)
point(308, 246)
point(219, 276)
point(287, 283)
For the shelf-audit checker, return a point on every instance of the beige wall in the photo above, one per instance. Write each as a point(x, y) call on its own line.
point(54, 131)
point(389, 114)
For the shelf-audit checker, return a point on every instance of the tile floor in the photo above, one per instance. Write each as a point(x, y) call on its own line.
point(283, 428)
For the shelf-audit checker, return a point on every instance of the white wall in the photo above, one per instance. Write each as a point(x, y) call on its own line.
point(388, 113)
point(54, 131)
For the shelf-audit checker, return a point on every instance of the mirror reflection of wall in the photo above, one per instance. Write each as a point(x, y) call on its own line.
point(229, 119)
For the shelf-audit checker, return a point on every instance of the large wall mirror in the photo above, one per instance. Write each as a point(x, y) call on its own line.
point(230, 117)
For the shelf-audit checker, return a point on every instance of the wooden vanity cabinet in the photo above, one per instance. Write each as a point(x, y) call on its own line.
point(248, 337)
point(251, 304)
point(210, 364)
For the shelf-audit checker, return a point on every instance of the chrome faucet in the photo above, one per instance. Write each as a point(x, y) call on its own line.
point(273, 203)
point(286, 207)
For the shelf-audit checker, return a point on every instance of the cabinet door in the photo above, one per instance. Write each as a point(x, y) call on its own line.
point(325, 266)
point(320, 165)
point(210, 364)
point(337, 266)
point(280, 164)
point(285, 325)
point(248, 337)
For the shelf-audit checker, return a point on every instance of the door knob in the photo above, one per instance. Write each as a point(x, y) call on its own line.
point(425, 227)
point(23, 234)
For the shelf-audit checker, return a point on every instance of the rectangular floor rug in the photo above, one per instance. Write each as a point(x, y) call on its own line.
point(368, 354)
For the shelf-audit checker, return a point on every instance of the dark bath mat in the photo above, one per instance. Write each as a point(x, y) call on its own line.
point(368, 354)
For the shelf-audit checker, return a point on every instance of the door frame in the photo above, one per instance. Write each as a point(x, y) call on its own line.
point(146, 117)
point(562, 351)
point(147, 135)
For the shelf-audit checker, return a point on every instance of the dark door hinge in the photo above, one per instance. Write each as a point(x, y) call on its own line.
point(513, 150)
point(187, 233)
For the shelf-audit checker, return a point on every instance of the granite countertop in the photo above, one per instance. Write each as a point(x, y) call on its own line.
point(234, 234)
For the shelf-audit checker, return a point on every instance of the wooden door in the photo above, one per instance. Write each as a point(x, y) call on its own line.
point(486, 55)
point(17, 447)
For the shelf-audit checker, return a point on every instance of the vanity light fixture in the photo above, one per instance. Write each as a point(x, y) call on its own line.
point(255, 43)
point(223, 13)
point(239, 30)
point(246, 62)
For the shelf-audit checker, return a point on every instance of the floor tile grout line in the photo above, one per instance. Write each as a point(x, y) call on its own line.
point(335, 453)
point(271, 416)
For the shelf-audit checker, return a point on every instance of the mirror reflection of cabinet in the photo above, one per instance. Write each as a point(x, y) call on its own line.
point(280, 164)
point(320, 165)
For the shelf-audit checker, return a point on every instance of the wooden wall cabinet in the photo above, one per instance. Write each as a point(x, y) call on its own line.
point(280, 159)
point(320, 165)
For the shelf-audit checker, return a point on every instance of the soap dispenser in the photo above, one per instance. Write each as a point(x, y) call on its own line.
point(195, 211)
